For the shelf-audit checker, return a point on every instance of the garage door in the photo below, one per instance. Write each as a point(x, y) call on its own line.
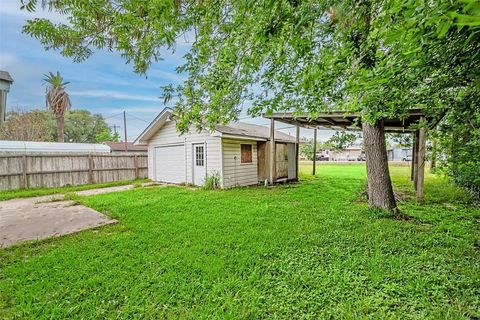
point(170, 163)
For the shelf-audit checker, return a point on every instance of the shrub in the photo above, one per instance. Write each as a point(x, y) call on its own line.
point(459, 140)
point(212, 181)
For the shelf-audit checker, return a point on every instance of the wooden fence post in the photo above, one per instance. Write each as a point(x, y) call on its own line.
point(90, 169)
point(135, 162)
point(24, 172)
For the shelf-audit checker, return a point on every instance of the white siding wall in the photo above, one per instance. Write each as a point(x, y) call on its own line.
point(169, 135)
point(236, 173)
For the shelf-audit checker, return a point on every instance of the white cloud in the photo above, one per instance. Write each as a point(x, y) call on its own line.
point(7, 60)
point(135, 110)
point(113, 95)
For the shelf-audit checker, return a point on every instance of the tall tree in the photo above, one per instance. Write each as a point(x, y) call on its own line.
point(39, 125)
point(378, 58)
point(27, 126)
point(57, 101)
point(83, 126)
point(341, 140)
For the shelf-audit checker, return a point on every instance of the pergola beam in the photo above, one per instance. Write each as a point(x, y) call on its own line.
point(349, 120)
point(329, 120)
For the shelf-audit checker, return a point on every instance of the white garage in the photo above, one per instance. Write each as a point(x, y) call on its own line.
point(237, 153)
point(172, 157)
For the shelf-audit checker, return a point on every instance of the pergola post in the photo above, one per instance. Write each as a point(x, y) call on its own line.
point(422, 139)
point(415, 160)
point(314, 151)
point(412, 167)
point(297, 147)
point(272, 152)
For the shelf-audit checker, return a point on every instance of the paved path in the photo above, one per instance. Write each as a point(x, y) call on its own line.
point(40, 217)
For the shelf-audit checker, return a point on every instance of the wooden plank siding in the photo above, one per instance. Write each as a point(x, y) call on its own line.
point(281, 152)
point(285, 160)
point(58, 170)
point(236, 173)
point(263, 152)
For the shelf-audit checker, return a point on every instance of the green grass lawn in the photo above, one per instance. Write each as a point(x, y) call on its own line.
point(310, 250)
point(35, 192)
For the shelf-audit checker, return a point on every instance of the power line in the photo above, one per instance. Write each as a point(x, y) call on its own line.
point(135, 117)
point(112, 116)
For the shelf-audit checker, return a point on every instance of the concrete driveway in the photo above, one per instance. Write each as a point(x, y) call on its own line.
point(38, 218)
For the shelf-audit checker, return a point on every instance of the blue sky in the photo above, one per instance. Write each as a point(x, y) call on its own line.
point(102, 84)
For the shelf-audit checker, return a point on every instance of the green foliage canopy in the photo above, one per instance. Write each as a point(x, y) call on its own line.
point(376, 57)
point(83, 126)
point(39, 125)
point(341, 140)
point(379, 58)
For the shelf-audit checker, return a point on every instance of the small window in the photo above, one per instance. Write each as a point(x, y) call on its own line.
point(246, 156)
point(199, 156)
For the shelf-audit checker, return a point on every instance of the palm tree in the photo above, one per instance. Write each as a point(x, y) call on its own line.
point(57, 100)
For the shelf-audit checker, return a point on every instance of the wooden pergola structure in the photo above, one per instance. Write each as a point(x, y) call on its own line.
point(341, 120)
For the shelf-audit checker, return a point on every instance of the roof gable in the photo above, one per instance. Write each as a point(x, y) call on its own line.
point(239, 129)
point(154, 126)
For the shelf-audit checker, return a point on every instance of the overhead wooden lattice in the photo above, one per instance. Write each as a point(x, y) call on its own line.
point(346, 120)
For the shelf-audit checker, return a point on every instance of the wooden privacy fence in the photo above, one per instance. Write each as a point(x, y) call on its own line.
point(58, 170)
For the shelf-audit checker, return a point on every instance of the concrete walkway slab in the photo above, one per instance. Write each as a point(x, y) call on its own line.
point(42, 217)
point(28, 220)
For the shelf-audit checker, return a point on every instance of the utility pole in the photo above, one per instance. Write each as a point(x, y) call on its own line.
point(125, 128)
point(115, 129)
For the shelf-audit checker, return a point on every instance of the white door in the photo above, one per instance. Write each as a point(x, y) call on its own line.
point(199, 166)
point(169, 163)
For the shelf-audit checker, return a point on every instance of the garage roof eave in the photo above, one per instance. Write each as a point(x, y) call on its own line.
point(156, 124)
point(243, 137)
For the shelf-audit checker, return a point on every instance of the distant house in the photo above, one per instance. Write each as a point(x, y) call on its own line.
point(348, 154)
point(399, 154)
point(237, 152)
point(116, 147)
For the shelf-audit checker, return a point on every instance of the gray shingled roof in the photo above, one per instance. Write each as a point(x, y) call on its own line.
point(5, 76)
point(253, 130)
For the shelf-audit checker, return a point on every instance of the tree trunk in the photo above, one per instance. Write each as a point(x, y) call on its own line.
point(380, 191)
point(60, 128)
